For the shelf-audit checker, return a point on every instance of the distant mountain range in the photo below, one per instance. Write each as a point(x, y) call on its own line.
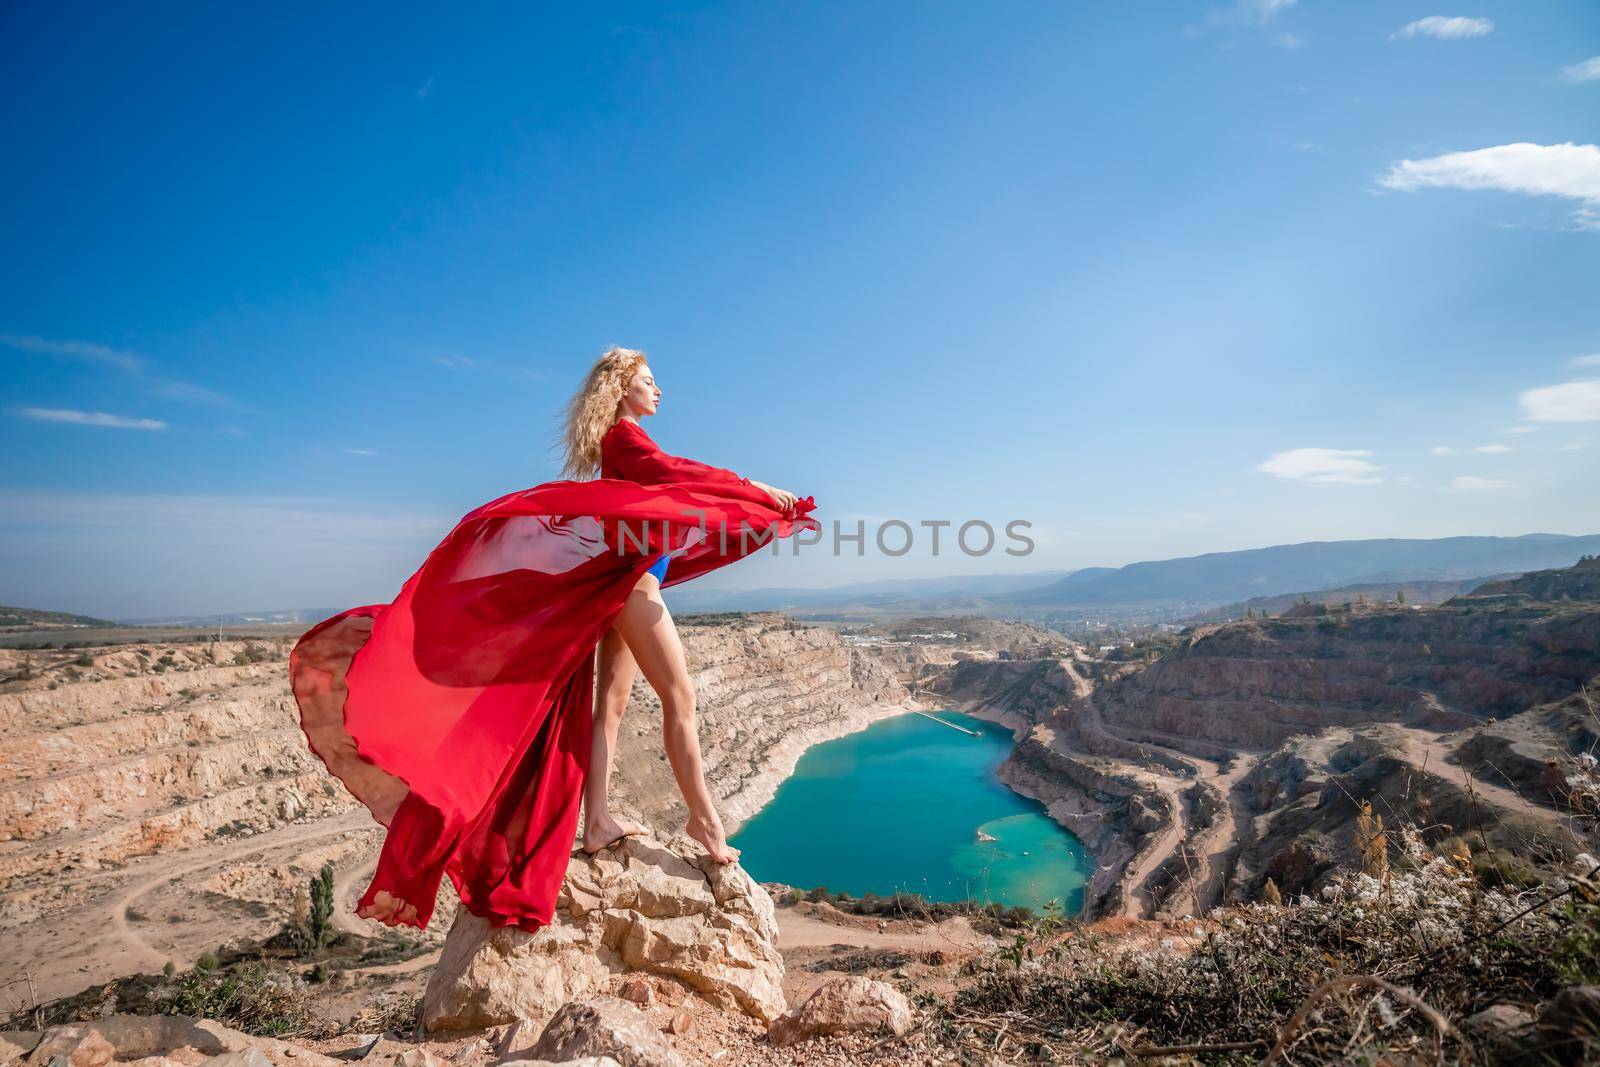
point(33, 618)
point(1174, 587)
point(1226, 576)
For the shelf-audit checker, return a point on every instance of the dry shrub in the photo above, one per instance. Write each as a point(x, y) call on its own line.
point(249, 997)
point(1443, 945)
point(1372, 844)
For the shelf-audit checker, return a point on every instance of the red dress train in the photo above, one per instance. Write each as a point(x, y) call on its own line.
point(460, 713)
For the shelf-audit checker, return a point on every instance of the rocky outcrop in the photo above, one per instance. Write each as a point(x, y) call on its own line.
point(1017, 693)
point(1111, 811)
point(1308, 826)
point(1282, 776)
point(650, 906)
point(605, 1026)
point(1255, 683)
point(838, 1005)
point(1297, 866)
point(1559, 585)
point(109, 768)
point(1081, 724)
point(1540, 753)
point(175, 1038)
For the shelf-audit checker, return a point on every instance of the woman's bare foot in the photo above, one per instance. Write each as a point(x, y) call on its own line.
point(709, 833)
point(388, 909)
point(602, 832)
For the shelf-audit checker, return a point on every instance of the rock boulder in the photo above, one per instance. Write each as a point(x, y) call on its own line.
point(609, 1027)
point(173, 1038)
point(839, 1004)
point(1297, 866)
point(660, 907)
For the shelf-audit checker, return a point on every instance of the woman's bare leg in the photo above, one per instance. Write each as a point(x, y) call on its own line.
point(646, 626)
point(614, 676)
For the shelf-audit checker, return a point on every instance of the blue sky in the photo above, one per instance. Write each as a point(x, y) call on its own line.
point(285, 293)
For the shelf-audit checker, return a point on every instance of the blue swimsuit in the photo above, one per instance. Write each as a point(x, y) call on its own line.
point(659, 569)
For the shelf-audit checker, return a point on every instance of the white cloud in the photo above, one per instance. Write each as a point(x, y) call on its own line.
point(91, 418)
point(1569, 448)
point(1492, 450)
point(1444, 28)
point(1260, 10)
point(173, 389)
point(361, 452)
point(1470, 483)
point(1576, 401)
point(84, 350)
point(125, 361)
point(1255, 15)
point(1585, 361)
point(1519, 429)
point(1587, 71)
point(1565, 170)
point(1322, 466)
point(1441, 450)
point(426, 90)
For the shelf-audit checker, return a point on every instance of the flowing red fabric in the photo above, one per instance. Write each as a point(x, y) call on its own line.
point(460, 713)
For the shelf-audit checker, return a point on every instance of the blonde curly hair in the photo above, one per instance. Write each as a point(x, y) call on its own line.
point(594, 408)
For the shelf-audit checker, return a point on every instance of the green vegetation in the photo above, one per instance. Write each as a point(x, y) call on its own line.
point(907, 906)
point(251, 998)
point(321, 920)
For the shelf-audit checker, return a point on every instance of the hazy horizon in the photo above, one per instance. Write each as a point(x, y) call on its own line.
point(774, 566)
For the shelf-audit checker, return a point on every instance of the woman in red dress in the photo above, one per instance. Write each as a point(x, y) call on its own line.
point(463, 714)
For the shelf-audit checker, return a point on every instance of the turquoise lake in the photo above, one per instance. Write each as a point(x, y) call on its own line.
point(897, 808)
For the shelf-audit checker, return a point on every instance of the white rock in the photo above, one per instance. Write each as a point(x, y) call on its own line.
point(606, 1027)
point(657, 907)
point(253, 1057)
point(138, 1037)
point(72, 1046)
point(852, 1003)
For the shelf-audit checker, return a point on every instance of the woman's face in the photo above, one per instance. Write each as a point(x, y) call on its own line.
point(641, 397)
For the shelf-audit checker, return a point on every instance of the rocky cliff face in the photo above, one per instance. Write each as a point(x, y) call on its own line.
point(122, 762)
point(1115, 814)
point(975, 663)
point(1254, 684)
point(1563, 585)
point(1019, 693)
point(1307, 796)
point(157, 801)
